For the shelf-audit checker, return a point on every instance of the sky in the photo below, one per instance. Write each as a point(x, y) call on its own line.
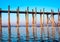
point(23, 4)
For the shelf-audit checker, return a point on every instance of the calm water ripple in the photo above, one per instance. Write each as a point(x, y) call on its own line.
point(30, 35)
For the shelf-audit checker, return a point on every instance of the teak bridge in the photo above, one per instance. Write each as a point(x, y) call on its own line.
point(26, 12)
point(34, 13)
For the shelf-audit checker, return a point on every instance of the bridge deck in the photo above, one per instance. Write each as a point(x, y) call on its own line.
point(6, 11)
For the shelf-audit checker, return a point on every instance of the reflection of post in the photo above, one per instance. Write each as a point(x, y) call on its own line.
point(52, 19)
point(9, 29)
point(0, 25)
point(59, 23)
point(27, 32)
point(59, 32)
point(47, 26)
point(18, 33)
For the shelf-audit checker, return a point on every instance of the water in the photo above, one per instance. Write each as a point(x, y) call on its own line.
point(30, 35)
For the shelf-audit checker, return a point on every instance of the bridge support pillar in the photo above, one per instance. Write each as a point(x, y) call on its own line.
point(59, 23)
point(26, 16)
point(18, 33)
point(58, 18)
point(41, 24)
point(0, 25)
point(53, 24)
point(33, 23)
point(35, 19)
point(9, 29)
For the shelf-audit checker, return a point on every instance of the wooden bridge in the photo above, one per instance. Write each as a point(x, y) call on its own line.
point(34, 13)
point(52, 13)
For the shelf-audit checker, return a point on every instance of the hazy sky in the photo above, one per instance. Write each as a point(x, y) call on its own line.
point(40, 4)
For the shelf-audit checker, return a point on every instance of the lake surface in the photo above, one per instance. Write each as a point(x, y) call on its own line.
point(30, 34)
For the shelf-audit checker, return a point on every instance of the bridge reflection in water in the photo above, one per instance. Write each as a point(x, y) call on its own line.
point(30, 35)
point(34, 33)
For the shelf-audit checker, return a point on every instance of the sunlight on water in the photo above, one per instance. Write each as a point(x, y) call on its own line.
point(30, 35)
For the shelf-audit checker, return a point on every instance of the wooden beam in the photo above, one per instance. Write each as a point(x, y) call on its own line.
point(23, 12)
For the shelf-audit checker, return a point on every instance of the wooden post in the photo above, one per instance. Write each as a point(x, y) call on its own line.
point(8, 17)
point(52, 19)
point(18, 33)
point(18, 17)
point(0, 25)
point(58, 18)
point(27, 32)
point(43, 17)
point(35, 16)
point(9, 29)
point(33, 24)
point(59, 23)
point(41, 20)
point(33, 19)
point(43, 23)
